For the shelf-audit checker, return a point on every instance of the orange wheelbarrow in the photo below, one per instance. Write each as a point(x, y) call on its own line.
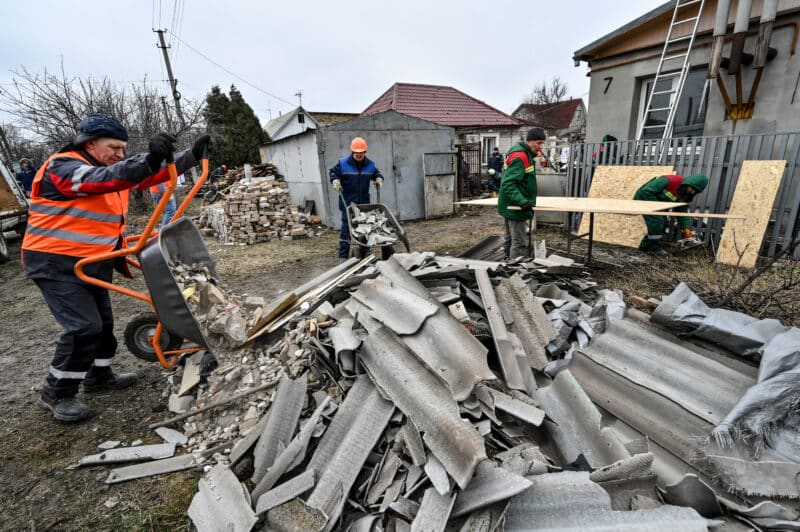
point(160, 335)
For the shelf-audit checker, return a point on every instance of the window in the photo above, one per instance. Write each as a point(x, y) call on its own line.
point(688, 122)
point(301, 118)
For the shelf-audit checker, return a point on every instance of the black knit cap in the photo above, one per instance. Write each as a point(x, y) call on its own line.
point(536, 133)
point(98, 125)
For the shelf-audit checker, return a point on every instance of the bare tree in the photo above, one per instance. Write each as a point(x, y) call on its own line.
point(544, 92)
point(47, 108)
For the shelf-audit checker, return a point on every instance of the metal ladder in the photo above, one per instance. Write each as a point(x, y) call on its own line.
point(676, 51)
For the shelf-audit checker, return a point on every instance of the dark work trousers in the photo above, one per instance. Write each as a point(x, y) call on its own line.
point(654, 239)
point(87, 345)
point(344, 235)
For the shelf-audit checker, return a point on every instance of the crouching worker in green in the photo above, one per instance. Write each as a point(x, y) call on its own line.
point(518, 189)
point(673, 188)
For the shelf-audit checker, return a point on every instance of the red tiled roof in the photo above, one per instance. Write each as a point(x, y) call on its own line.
point(549, 115)
point(439, 104)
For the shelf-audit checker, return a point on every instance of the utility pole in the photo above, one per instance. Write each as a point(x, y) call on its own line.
point(172, 81)
point(299, 95)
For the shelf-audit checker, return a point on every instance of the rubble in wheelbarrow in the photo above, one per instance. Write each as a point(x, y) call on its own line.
point(372, 227)
point(404, 400)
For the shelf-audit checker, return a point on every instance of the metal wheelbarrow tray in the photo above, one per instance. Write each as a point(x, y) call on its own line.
point(179, 241)
point(367, 207)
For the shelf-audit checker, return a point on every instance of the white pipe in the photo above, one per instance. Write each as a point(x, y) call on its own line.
point(721, 18)
point(768, 11)
point(742, 16)
point(720, 28)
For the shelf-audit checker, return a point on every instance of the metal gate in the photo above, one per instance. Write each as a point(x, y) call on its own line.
point(468, 164)
point(720, 158)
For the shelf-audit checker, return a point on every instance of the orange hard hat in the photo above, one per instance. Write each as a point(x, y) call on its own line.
point(358, 145)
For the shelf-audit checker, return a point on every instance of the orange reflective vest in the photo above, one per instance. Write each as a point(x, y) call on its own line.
point(79, 227)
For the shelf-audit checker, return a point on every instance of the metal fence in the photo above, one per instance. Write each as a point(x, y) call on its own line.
point(720, 158)
point(469, 169)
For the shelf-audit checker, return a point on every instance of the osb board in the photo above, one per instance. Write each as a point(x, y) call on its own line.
point(755, 193)
point(620, 182)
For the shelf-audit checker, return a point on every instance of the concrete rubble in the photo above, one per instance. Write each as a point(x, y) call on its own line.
point(437, 393)
point(373, 228)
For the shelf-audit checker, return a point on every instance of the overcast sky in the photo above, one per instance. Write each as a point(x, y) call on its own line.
point(340, 55)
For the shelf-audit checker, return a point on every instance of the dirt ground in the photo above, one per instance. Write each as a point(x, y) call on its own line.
point(37, 492)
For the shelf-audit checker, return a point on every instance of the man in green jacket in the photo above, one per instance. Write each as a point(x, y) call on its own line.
point(673, 188)
point(518, 189)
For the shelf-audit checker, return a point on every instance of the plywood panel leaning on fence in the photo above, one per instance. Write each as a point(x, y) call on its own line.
point(756, 188)
point(620, 182)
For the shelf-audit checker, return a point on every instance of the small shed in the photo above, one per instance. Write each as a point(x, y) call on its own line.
point(415, 156)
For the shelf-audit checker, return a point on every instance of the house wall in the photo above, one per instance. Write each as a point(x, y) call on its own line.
point(297, 159)
point(614, 106)
point(506, 137)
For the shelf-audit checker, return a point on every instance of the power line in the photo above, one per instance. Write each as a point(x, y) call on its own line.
point(201, 54)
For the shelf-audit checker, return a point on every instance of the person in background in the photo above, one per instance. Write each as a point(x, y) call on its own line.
point(674, 188)
point(156, 192)
point(496, 163)
point(351, 177)
point(25, 176)
point(78, 206)
point(518, 189)
point(217, 173)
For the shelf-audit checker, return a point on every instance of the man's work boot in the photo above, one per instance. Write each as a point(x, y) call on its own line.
point(65, 409)
point(113, 381)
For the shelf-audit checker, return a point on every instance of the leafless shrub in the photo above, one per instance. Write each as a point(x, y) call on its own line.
point(47, 108)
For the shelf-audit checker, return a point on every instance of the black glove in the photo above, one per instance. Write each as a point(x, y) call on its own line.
point(201, 146)
point(160, 147)
point(526, 207)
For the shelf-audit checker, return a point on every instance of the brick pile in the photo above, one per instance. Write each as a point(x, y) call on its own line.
point(255, 210)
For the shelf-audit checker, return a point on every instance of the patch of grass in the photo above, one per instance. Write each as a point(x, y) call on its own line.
point(164, 508)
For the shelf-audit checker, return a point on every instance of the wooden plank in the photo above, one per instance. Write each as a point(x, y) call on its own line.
point(620, 182)
point(604, 205)
point(572, 204)
point(754, 196)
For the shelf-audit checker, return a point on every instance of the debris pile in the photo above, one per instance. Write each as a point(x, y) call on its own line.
point(255, 210)
point(421, 393)
point(232, 176)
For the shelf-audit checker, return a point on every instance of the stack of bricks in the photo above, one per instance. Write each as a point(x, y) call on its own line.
point(256, 210)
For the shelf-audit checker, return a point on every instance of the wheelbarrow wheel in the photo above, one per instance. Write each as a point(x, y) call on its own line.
point(139, 333)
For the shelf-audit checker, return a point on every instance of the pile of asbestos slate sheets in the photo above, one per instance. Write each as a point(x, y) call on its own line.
point(428, 405)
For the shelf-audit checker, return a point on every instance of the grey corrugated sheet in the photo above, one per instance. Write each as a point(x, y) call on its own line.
point(681, 420)
point(221, 503)
point(286, 491)
point(570, 501)
point(426, 400)
point(513, 362)
point(284, 414)
point(701, 385)
point(365, 415)
point(394, 306)
point(433, 513)
point(531, 324)
point(488, 487)
point(576, 427)
point(443, 343)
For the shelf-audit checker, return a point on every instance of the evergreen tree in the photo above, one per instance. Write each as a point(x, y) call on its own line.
point(235, 127)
